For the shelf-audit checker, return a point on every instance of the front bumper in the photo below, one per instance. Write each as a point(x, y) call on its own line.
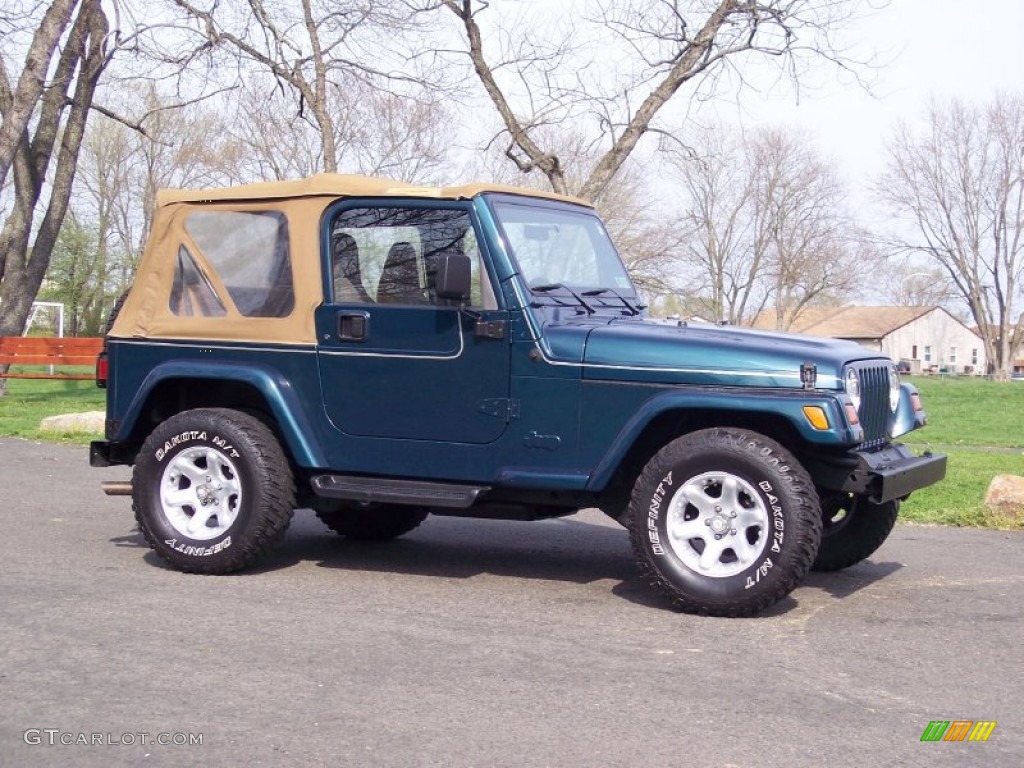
point(883, 475)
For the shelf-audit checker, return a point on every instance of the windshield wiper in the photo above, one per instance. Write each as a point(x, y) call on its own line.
point(554, 286)
point(598, 291)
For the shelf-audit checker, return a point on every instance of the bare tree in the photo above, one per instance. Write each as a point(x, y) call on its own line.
point(619, 65)
point(766, 224)
point(105, 202)
point(722, 254)
point(46, 147)
point(181, 145)
point(20, 102)
point(403, 138)
point(816, 252)
point(267, 139)
point(960, 183)
point(911, 284)
point(125, 161)
point(645, 238)
point(314, 49)
point(376, 132)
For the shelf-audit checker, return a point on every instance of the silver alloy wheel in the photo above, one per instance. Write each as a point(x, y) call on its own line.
point(200, 493)
point(717, 524)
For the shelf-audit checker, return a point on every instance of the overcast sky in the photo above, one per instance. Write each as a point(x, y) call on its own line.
point(946, 48)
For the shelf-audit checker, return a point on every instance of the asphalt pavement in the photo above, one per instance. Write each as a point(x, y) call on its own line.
point(480, 643)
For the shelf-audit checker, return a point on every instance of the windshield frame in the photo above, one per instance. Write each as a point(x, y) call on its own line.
point(594, 227)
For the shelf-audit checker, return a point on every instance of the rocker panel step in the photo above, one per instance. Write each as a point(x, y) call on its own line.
point(375, 489)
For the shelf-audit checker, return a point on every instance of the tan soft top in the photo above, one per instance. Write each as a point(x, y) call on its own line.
point(147, 314)
point(341, 185)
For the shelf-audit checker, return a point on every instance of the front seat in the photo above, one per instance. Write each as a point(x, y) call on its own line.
point(348, 281)
point(400, 279)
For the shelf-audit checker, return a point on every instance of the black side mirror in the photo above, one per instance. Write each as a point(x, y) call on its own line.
point(454, 276)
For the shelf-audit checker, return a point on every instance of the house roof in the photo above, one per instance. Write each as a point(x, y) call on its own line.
point(847, 322)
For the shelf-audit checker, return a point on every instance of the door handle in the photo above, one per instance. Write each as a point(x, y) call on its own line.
point(353, 326)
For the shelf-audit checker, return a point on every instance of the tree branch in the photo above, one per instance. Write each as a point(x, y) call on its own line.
point(136, 125)
point(537, 158)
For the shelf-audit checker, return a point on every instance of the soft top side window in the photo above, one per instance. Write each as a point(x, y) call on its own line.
point(249, 251)
point(389, 255)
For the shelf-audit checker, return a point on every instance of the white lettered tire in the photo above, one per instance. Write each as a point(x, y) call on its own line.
point(212, 490)
point(724, 522)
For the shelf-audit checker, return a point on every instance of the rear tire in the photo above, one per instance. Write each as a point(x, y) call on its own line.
point(724, 522)
point(853, 529)
point(213, 491)
point(372, 522)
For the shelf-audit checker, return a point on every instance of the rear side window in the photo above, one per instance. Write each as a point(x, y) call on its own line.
point(249, 251)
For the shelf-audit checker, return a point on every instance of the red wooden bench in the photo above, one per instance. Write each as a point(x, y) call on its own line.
point(32, 350)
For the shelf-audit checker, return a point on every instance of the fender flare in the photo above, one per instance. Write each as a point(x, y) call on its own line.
point(784, 404)
point(281, 398)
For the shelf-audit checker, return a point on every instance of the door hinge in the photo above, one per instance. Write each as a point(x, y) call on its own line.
point(489, 329)
point(500, 407)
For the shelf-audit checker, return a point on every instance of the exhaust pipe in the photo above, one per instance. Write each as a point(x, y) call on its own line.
point(117, 487)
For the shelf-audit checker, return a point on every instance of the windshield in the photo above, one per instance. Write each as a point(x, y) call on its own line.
point(560, 248)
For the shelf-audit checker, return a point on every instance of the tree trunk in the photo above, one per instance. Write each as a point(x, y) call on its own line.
point(81, 64)
point(32, 80)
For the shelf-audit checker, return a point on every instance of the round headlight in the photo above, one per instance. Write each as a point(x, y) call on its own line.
point(894, 389)
point(853, 387)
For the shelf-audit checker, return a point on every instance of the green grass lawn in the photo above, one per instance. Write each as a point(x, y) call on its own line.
point(978, 423)
point(29, 401)
point(968, 411)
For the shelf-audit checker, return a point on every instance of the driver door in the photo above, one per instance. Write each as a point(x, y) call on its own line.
point(395, 360)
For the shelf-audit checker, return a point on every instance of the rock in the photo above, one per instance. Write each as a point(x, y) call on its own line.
point(91, 421)
point(1005, 496)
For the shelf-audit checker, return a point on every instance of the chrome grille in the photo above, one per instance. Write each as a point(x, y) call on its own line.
point(874, 406)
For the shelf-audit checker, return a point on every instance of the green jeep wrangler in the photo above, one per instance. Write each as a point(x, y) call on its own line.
point(380, 352)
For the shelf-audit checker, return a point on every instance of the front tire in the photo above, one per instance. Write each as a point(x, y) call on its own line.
point(213, 491)
point(853, 528)
point(724, 522)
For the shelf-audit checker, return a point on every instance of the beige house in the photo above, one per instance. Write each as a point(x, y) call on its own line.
point(925, 339)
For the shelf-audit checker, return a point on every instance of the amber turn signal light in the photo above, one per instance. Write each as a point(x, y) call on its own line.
point(816, 416)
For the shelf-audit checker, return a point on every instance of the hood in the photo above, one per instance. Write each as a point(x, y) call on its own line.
point(644, 350)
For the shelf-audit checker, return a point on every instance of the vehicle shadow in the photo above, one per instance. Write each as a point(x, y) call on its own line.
point(853, 579)
point(133, 539)
point(570, 550)
point(555, 550)
point(838, 584)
